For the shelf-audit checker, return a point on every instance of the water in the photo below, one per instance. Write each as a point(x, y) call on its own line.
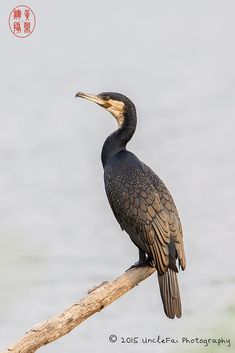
point(58, 235)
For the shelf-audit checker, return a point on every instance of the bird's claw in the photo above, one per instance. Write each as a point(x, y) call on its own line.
point(142, 263)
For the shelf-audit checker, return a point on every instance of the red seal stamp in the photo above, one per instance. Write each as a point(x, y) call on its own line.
point(22, 21)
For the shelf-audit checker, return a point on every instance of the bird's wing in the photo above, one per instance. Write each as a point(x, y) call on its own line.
point(168, 204)
point(148, 216)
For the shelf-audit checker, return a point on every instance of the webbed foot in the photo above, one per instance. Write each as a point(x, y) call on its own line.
point(141, 263)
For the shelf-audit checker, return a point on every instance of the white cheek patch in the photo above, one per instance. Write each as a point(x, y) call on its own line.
point(117, 109)
point(120, 119)
point(117, 115)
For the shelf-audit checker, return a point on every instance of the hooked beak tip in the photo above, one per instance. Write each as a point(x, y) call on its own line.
point(78, 94)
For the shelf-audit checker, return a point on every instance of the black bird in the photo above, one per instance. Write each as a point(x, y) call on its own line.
point(141, 202)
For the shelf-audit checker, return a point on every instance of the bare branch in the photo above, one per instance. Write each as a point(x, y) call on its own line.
point(97, 299)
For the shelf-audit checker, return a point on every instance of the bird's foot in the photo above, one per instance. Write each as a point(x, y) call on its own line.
point(142, 263)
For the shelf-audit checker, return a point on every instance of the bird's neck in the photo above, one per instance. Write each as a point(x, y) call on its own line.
point(117, 141)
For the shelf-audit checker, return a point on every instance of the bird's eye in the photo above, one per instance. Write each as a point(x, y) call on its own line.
point(104, 96)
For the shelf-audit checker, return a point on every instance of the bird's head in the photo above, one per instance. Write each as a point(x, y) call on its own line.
point(116, 103)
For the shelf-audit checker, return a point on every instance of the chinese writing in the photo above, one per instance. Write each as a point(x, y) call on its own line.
point(22, 21)
point(17, 14)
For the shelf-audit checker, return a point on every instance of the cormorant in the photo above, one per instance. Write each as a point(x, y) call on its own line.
point(141, 202)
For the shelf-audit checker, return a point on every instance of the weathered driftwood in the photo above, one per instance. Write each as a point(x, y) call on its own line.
point(97, 299)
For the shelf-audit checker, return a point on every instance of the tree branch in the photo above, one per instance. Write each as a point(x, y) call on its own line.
point(97, 299)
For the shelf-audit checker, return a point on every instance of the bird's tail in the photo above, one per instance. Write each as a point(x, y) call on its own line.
point(170, 294)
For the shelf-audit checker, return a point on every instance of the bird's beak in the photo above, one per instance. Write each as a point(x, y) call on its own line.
point(116, 108)
point(93, 98)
